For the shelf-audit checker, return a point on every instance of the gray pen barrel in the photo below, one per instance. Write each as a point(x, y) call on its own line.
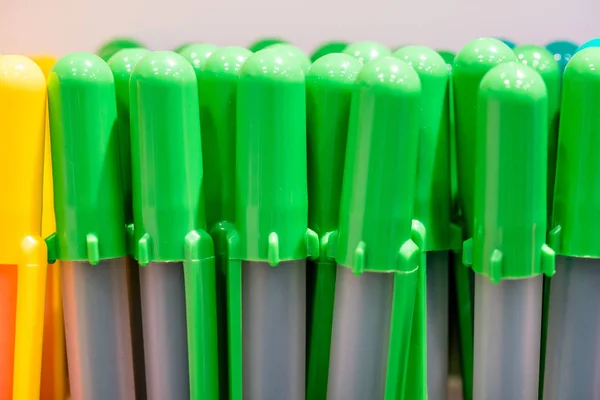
point(361, 335)
point(573, 342)
point(274, 330)
point(98, 330)
point(508, 317)
point(437, 324)
point(165, 330)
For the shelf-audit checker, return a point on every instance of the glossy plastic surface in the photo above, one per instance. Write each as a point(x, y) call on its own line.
point(22, 132)
point(590, 43)
point(197, 54)
point(166, 156)
point(122, 64)
point(577, 193)
point(329, 87)
point(217, 89)
point(509, 43)
point(544, 63)
point(110, 48)
point(328, 48)
point(448, 56)
point(54, 384)
point(507, 338)
point(470, 65)
point(85, 161)
point(263, 43)
point(293, 51)
point(562, 52)
point(572, 358)
point(378, 188)
point(367, 51)
point(510, 183)
point(274, 337)
point(433, 191)
point(97, 327)
point(271, 178)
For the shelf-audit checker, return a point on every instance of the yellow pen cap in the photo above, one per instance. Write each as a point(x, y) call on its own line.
point(22, 129)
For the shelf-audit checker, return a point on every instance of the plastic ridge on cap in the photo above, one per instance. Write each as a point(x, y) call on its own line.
point(577, 193)
point(367, 51)
point(470, 65)
point(271, 177)
point(510, 183)
point(433, 190)
point(88, 197)
point(544, 63)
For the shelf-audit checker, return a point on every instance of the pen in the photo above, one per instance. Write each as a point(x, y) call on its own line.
point(172, 246)
point(507, 251)
point(379, 288)
point(121, 65)
point(90, 228)
point(572, 362)
point(197, 54)
point(23, 262)
point(329, 86)
point(470, 65)
point(563, 51)
point(433, 205)
point(293, 51)
point(266, 275)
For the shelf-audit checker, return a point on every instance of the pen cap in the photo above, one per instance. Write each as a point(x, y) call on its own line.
point(577, 192)
point(329, 85)
point(263, 43)
point(448, 56)
point(110, 48)
point(122, 64)
point(510, 179)
point(166, 156)
point(367, 51)
point(544, 63)
point(328, 48)
point(271, 186)
point(590, 43)
point(562, 51)
point(197, 54)
point(470, 65)
point(433, 195)
point(88, 197)
point(507, 42)
point(217, 86)
point(293, 51)
point(22, 129)
point(378, 191)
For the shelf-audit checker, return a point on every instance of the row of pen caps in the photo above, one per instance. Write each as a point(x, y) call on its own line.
point(174, 117)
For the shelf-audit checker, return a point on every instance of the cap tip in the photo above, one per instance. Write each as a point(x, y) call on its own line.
point(367, 51)
point(21, 73)
point(515, 81)
point(227, 60)
point(584, 64)
point(483, 52)
point(390, 73)
point(538, 58)
point(335, 67)
point(82, 67)
point(163, 66)
point(423, 59)
point(273, 65)
point(197, 53)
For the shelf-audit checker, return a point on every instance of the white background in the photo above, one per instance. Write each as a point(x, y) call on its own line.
point(61, 26)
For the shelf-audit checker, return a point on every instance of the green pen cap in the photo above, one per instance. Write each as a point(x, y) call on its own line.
point(367, 51)
point(378, 190)
point(329, 86)
point(110, 48)
point(263, 43)
point(544, 63)
point(470, 65)
point(433, 191)
point(577, 192)
point(271, 177)
point(448, 56)
point(166, 157)
point(510, 182)
point(122, 64)
point(293, 51)
point(88, 197)
point(197, 54)
point(328, 48)
point(217, 87)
